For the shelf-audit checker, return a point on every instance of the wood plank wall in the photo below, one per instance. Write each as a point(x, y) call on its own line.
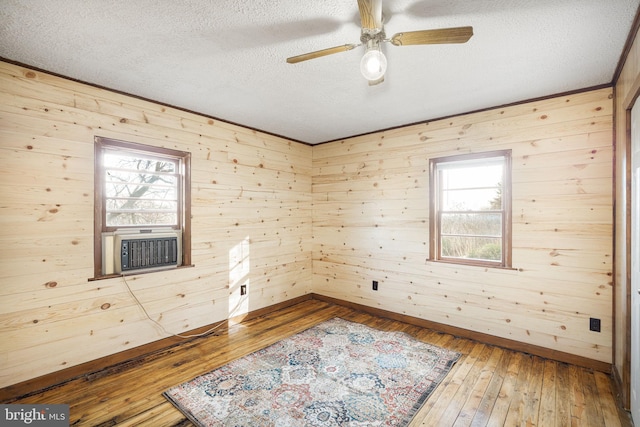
point(325, 219)
point(251, 204)
point(371, 222)
point(626, 90)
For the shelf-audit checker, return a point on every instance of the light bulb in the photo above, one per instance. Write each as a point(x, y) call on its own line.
point(373, 64)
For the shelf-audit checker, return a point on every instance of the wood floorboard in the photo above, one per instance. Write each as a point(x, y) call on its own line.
point(548, 398)
point(576, 396)
point(534, 392)
point(488, 386)
point(490, 396)
point(563, 410)
point(507, 391)
point(516, 404)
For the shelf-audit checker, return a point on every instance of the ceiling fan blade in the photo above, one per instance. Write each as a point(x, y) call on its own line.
point(319, 53)
point(439, 36)
point(370, 14)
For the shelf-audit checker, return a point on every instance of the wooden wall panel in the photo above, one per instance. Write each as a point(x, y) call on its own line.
point(288, 219)
point(370, 222)
point(249, 190)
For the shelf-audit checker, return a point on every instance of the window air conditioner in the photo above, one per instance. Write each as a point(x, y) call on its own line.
point(128, 251)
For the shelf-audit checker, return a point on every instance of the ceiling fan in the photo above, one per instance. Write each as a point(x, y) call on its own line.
point(374, 64)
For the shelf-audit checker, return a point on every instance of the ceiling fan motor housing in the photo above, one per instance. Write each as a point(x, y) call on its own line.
point(368, 35)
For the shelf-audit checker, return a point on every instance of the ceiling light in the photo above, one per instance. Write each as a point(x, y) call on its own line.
point(373, 64)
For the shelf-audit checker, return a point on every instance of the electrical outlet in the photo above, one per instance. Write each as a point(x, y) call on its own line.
point(594, 324)
point(375, 285)
point(243, 289)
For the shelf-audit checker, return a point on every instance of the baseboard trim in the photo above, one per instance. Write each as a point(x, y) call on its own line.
point(47, 381)
point(535, 350)
point(623, 398)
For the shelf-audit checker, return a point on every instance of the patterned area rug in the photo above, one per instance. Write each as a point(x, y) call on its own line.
point(338, 373)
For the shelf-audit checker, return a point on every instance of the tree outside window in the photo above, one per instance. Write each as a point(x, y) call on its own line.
point(140, 190)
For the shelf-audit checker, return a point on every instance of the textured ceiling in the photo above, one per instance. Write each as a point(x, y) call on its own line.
point(226, 58)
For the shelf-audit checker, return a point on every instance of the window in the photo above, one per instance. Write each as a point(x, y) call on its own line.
point(140, 187)
point(470, 209)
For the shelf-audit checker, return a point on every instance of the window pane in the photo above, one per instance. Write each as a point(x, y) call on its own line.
point(132, 205)
point(472, 200)
point(474, 176)
point(479, 224)
point(140, 191)
point(480, 248)
point(115, 219)
point(136, 180)
point(138, 163)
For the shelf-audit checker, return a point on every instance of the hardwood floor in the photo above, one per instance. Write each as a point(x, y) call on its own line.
point(488, 386)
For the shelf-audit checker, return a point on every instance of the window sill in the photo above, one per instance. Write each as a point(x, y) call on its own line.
point(137, 273)
point(468, 264)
